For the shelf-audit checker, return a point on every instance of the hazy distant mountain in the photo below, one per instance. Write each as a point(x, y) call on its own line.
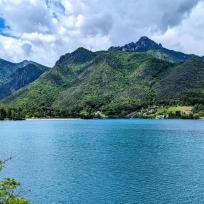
point(115, 82)
point(144, 44)
point(14, 76)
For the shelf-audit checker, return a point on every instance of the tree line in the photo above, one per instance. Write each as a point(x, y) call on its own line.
point(11, 113)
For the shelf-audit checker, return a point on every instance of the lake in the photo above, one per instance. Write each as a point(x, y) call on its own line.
point(106, 161)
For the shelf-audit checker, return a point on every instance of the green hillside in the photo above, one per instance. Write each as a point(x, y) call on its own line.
point(184, 84)
point(110, 83)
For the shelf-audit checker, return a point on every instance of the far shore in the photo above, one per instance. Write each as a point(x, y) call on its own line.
point(53, 119)
point(46, 119)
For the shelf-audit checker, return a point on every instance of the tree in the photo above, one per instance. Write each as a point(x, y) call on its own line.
point(2, 113)
point(7, 188)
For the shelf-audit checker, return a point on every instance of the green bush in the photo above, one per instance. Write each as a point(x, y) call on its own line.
point(7, 187)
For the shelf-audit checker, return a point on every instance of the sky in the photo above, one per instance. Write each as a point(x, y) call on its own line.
point(43, 30)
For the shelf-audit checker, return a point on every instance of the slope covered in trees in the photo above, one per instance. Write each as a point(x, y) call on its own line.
point(112, 83)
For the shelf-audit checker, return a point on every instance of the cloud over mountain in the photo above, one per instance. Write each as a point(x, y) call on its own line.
point(42, 30)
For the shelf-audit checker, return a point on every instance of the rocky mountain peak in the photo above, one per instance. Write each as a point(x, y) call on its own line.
point(142, 45)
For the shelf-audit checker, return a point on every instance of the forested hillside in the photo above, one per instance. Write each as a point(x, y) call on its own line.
point(115, 83)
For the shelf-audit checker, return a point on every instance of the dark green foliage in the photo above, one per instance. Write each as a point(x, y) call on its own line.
point(198, 109)
point(179, 114)
point(183, 85)
point(11, 113)
point(7, 188)
point(81, 55)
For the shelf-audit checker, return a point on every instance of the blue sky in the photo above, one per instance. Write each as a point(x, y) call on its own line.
point(2, 24)
point(42, 30)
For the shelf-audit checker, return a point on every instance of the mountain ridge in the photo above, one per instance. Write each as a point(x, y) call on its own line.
point(144, 44)
point(14, 76)
point(114, 83)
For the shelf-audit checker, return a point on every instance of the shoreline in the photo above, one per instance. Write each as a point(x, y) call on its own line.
point(31, 119)
point(75, 119)
point(60, 119)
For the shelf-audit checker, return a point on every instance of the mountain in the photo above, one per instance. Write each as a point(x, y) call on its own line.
point(6, 69)
point(184, 83)
point(14, 76)
point(144, 44)
point(114, 83)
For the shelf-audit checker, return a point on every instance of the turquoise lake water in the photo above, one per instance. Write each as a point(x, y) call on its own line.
point(106, 161)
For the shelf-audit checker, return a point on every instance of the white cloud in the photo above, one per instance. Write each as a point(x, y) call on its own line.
point(39, 37)
point(43, 30)
point(11, 48)
point(188, 35)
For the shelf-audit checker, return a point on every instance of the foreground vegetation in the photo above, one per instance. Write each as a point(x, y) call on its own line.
point(7, 187)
